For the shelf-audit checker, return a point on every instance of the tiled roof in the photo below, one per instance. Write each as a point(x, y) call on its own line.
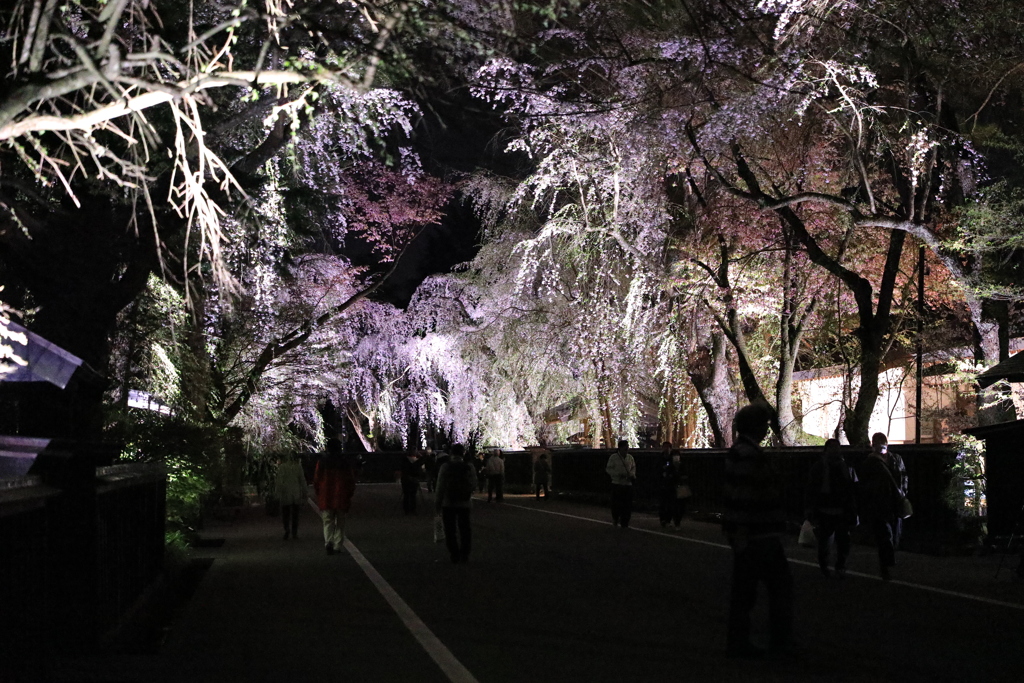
point(1011, 369)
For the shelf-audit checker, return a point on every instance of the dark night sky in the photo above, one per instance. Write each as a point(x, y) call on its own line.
point(455, 137)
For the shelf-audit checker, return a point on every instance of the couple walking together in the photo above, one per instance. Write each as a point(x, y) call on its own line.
point(673, 486)
point(334, 484)
point(839, 496)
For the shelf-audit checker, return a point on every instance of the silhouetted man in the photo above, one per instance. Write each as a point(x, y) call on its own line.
point(882, 488)
point(754, 521)
point(456, 482)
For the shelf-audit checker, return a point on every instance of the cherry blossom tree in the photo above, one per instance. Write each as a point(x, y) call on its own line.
point(898, 130)
point(844, 141)
point(135, 134)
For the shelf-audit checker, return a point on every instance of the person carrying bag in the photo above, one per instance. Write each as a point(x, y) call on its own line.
point(881, 495)
point(831, 507)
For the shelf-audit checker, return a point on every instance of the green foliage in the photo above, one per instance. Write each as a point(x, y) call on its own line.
point(176, 545)
point(190, 452)
point(186, 488)
point(966, 491)
point(994, 221)
point(805, 439)
point(146, 349)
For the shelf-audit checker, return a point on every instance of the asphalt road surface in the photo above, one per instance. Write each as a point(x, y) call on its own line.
point(554, 592)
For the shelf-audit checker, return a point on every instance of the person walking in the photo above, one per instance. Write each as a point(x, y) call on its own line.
point(541, 475)
point(334, 483)
point(831, 506)
point(409, 476)
point(621, 468)
point(478, 462)
point(880, 492)
point(671, 505)
point(456, 482)
point(754, 520)
point(430, 467)
point(439, 461)
point(291, 489)
point(494, 468)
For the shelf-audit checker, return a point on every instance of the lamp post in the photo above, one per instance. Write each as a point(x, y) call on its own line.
point(920, 342)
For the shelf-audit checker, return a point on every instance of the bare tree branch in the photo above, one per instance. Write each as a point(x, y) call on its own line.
point(90, 119)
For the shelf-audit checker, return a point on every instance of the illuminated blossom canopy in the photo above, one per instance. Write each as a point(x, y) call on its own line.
point(681, 206)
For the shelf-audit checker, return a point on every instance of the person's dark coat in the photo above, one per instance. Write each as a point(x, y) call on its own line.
point(445, 483)
point(752, 495)
point(670, 476)
point(541, 470)
point(410, 469)
point(878, 496)
point(831, 490)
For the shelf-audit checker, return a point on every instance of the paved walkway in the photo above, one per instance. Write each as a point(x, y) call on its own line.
point(554, 593)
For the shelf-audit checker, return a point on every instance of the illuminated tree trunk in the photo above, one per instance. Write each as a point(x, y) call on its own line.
point(992, 345)
point(606, 424)
point(874, 323)
point(791, 329)
point(792, 318)
point(195, 392)
point(709, 373)
point(355, 418)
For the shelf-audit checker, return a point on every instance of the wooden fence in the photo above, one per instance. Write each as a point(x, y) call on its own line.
point(79, 545)
point(581, 473)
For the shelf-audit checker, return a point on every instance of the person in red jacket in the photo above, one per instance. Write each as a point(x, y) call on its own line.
point(334, 483)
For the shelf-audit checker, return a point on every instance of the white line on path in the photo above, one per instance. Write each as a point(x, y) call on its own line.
point(931, 589)
point(444, 658)
point(441, 655)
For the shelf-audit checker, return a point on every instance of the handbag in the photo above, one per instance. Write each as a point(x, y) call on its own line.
point(806, 537)
point(438, 528)
point(683, 491)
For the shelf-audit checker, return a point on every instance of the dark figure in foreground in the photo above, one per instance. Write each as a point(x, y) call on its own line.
point(411, 466)
point(754, 521)
point(541, 474)
point(334, 483)
point(291, 490)
point(881, 490)
point(673, 487)
point(621, 468)
point(456, 482)
point(831, 506)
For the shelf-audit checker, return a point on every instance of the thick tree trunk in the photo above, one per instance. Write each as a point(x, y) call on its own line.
point(82, 267)
point(789, 429)
point(607, 434)
point(992, 345)
point(874, 333)
point(857, 422)
point(709, 373)
point(791, 330)
point(354, 416)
